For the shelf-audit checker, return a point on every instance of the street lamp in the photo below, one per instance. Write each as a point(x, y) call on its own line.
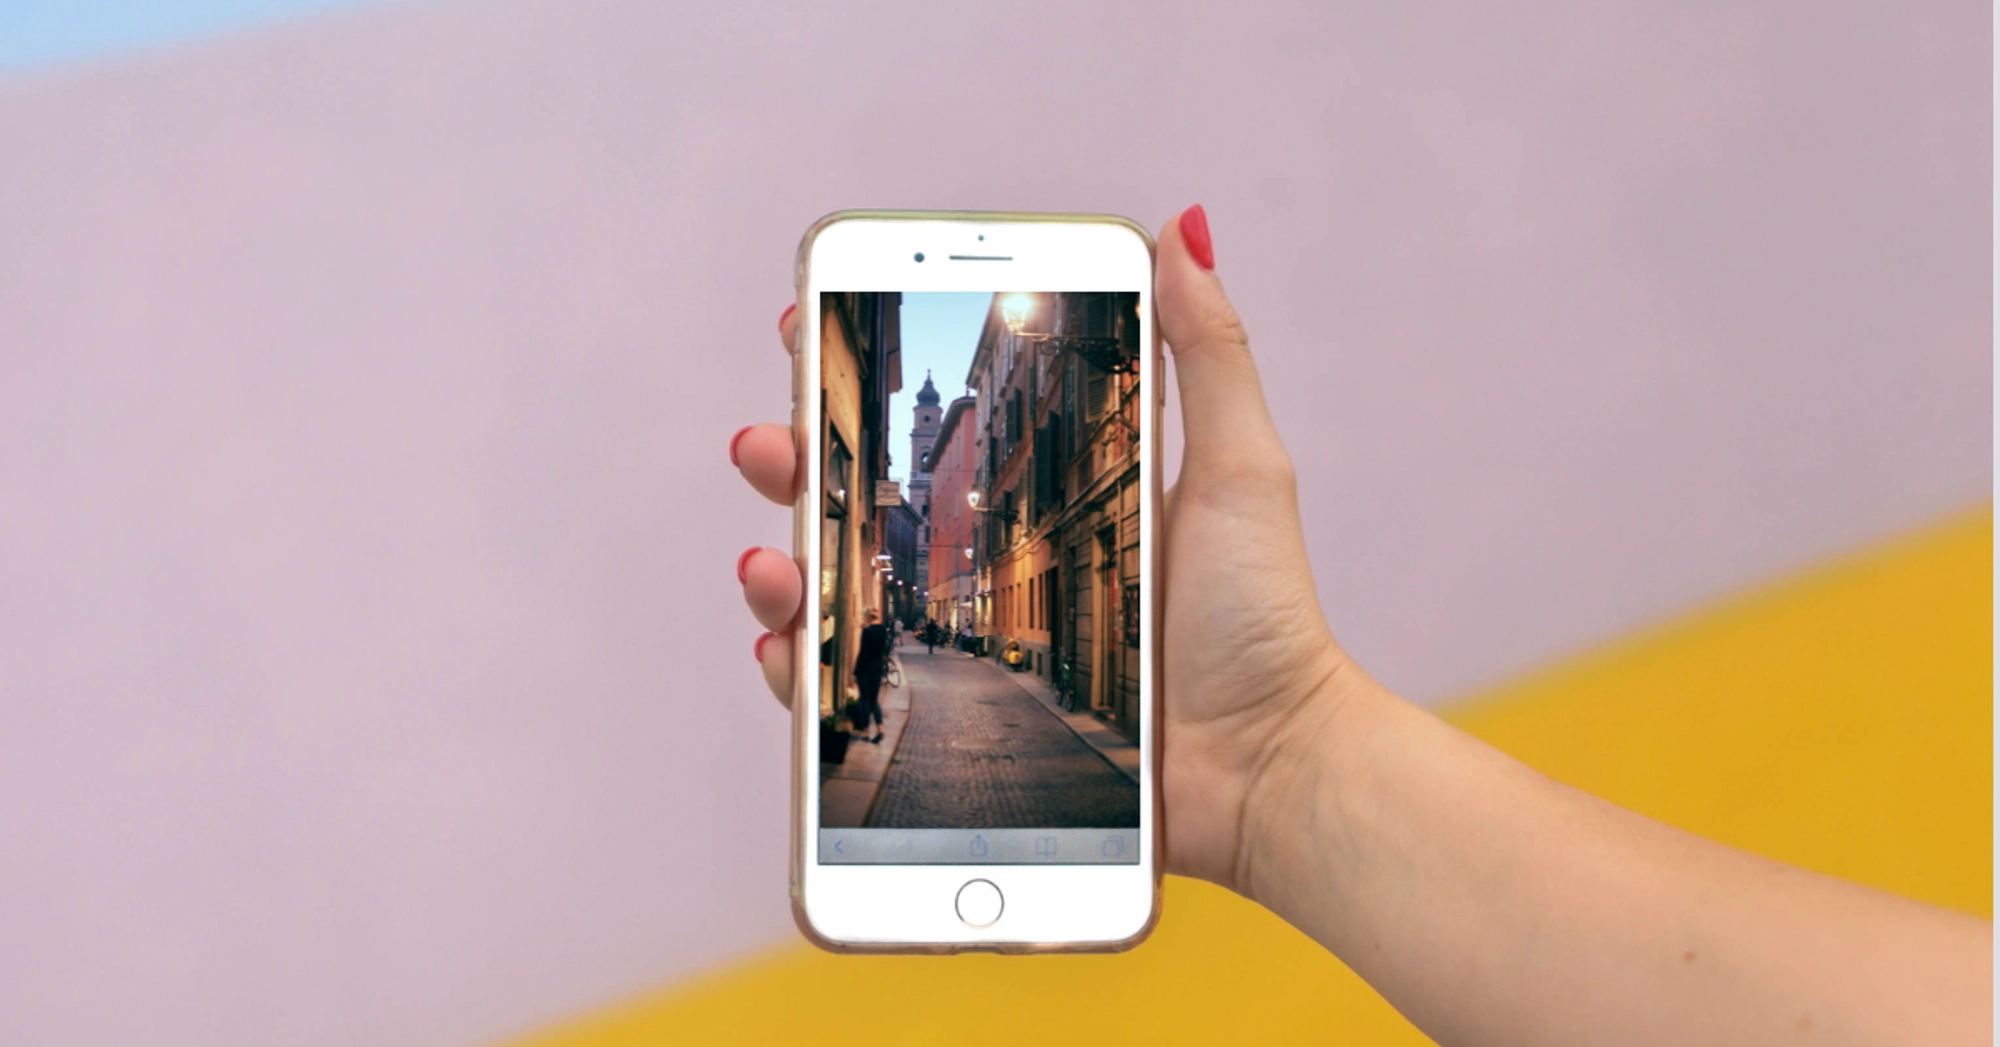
point(1014, 311)
point(1104, 353)
point(972, 498)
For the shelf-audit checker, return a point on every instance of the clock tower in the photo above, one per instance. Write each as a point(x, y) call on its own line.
point(923, 433)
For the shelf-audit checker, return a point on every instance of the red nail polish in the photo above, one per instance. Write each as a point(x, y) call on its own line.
point(743, 563)
point(733, 441)
point(757, 649)
point(786, 315)
point(1194, 232)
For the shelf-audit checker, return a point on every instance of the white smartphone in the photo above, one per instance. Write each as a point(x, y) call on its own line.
point(975, 716)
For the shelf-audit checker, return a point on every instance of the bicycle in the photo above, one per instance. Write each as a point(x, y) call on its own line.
point(892, 672)
point(1065, 682)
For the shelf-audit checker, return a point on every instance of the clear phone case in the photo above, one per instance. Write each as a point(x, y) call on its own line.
point(805, 705)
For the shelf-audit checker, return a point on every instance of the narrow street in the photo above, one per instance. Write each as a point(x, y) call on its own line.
point(980, 752)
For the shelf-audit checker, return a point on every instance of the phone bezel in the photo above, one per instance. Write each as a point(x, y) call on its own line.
point(1052, 908)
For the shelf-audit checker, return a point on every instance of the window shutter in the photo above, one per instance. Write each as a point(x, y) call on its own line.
point(1095, 395)
point(1044, 459)
point(1128, 327)
point(1061, 446)
point(1069, 410)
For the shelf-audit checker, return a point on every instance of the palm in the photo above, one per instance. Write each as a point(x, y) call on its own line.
point(1244, 643)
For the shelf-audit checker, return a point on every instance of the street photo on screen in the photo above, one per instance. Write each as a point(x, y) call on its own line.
point(979, 562)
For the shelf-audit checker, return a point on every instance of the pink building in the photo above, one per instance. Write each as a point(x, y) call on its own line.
point(952, 576)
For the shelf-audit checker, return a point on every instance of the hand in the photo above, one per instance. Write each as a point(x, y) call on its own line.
point(1248, 662)
point(1487, 903)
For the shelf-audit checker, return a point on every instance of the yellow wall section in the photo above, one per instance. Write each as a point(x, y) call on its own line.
point(1841, 720)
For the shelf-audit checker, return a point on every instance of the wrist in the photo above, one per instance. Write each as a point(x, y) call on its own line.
point(1298, 821)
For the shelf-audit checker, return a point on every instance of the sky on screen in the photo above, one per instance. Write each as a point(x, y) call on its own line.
point(940, 330)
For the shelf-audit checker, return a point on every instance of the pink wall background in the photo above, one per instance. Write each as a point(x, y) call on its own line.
point(371, 665)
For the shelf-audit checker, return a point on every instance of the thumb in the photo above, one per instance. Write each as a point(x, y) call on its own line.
point(1227, 427)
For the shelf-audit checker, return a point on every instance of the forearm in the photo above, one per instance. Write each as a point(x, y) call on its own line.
point(1492, 905)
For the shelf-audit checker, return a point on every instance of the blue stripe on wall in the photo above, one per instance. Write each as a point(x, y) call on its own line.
point(37, 33)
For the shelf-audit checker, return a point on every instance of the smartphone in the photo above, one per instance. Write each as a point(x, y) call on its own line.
point(977, 401)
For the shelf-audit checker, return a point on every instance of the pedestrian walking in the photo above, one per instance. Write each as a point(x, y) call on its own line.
point(868, 667)
point(930, 637)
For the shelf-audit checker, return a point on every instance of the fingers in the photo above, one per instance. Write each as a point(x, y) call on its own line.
point(774, 654)
point(768, 457)
point(1227, 426)
point(771, 586)
point(773, 589)
point(788, 327)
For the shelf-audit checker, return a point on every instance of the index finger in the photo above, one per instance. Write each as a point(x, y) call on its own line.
point(767, 455)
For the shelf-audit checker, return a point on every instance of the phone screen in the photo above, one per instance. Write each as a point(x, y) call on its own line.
point(980, 570)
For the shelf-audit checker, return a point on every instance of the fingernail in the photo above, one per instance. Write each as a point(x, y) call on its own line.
point(786, 315)
point(1194, 232)
point(743, 563)
point(758, 648)
point(733, 441)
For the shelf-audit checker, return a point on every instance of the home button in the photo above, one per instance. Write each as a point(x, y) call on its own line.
point(979, 903)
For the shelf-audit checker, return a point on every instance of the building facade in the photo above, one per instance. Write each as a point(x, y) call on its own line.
point(926, 418)
point(860, 367)
point(1057, 526)
point(952, 575)
point(902, 596)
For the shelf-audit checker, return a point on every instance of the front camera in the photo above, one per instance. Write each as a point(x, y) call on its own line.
point(920, 256)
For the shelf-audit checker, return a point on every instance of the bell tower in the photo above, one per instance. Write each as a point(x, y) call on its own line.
point(923, 434)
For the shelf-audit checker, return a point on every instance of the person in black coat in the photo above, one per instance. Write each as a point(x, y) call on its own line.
point(868, 666)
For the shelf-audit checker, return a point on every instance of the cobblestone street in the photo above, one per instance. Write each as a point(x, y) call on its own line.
point(980, 752)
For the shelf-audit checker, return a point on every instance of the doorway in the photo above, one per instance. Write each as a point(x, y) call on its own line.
point(1104, 696)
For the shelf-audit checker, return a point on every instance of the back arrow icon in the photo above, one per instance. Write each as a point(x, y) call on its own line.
point(836, 846)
